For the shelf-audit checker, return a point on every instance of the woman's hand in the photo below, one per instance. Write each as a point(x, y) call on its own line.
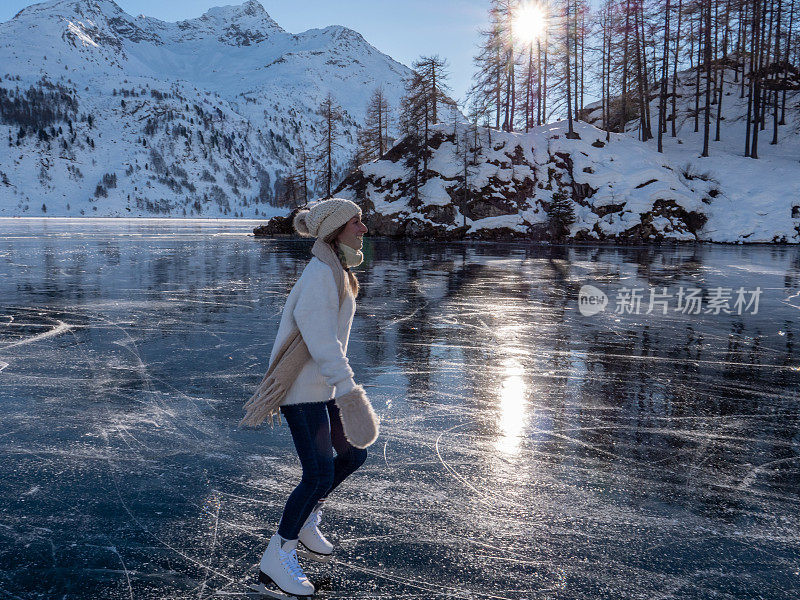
point(359, 420)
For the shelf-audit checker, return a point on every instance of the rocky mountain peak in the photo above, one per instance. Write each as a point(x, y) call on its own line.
point(68, 8)
point(235, 25)
point(238, 25)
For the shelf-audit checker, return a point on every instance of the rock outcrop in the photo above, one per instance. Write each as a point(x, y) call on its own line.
point(535, 186)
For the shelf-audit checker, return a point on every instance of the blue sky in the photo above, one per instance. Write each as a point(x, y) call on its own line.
point(404, 29)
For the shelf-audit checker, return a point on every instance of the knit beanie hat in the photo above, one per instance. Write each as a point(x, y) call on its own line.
point(325, 217)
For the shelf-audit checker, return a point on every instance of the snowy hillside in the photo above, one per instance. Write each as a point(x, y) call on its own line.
point(106, 114)
point(759, 198)
point(541, 185)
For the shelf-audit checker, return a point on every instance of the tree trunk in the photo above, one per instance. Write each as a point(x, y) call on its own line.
point(425, 147)
point(645, 77)
point(745, 8)
point(513, 86)
point(662, 104)
point(675, 71)
point(777, 55)
point(625, 45)
point(603, 99)
point(544, 78)
point(466, 189)
point(575, 56)
point(329, 152)
point(757, 33)
point(538, 82)
point(610, 16)
point(722, 69)
point(571, 131)
point(640, 82)
point(528, 85)
point(749, 87)
point(707, 47)
point(766, 46)
point(697, 75)
point(498, 87)
point(507, 103)
point(433, 94)
point(583, 53)
point(788, 46)
point(737, 51)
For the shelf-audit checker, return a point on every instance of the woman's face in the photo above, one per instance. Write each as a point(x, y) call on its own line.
point(353, 233)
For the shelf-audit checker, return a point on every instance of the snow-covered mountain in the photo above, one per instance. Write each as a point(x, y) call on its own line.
point(105, 114)
point(541, 185)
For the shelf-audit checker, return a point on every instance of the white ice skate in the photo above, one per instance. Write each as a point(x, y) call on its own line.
point(279, 567)
point(314, 545)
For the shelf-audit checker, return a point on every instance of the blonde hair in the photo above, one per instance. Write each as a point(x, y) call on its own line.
point(352, 279)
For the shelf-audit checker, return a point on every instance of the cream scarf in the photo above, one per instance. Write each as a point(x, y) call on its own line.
point(352, 257)
point(292, 355)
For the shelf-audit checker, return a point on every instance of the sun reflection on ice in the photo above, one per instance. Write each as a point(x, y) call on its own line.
point(513, 414)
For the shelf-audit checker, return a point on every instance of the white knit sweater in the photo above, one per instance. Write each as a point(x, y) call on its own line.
point(313, 305)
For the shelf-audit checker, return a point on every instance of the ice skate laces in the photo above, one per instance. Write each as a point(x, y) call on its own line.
point(289, 562)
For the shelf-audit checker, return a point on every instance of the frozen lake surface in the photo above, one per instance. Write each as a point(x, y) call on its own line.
point(527, 451)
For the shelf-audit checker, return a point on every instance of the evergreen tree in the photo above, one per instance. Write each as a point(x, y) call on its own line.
point(467, 150)
point(289, 192)
point(330, 123)
point(414, 126)
point(494, 63)
point(373, 138)
point(302, 169)
point(560, 215)
point(433, 75)
point(425, 92)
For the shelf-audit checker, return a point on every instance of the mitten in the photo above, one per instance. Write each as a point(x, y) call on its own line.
point(359, 420)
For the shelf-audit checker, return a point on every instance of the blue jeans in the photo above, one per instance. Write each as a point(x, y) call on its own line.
point(316, 430)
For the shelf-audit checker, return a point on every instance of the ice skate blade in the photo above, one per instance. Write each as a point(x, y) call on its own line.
point(261, 587)
point(303, 552)
point(268, 593)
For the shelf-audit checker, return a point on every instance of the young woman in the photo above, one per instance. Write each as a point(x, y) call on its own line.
point(323, 314)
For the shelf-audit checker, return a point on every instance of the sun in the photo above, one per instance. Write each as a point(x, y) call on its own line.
point(529, 23)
